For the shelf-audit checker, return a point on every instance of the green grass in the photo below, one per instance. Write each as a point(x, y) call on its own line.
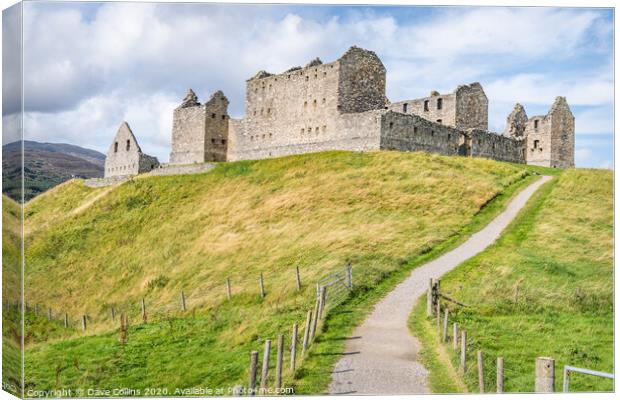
point(443, 377)
point(11, 292)
point(385, 212)
point(544, 289)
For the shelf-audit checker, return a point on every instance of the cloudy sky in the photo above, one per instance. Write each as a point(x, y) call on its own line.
point(89, 66)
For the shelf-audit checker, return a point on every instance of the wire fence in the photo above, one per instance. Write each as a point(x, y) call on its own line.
point(489, 368)
point(149, 308)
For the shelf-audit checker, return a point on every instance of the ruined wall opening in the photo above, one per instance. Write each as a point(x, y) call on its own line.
point(425, 105)
point(536, 144)
point(535, 124)
point(405, 107)
point(128, 145)
point(439, 104)
point(116, 147)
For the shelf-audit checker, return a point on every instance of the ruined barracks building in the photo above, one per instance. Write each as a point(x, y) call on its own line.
point(342, 106)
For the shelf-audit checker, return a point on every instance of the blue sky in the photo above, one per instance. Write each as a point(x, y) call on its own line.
point(90, 66)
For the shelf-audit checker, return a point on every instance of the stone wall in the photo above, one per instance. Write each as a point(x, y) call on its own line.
point(435, 108)
point(361, 84)
point(497, 147)
point(406, 132)
point(124, 156)
point(354, 132)
point(466, 108)
point(318, 107)
point(168, 169)
point(472, 107)
point(551, 137)
point(188, 134)
point(516, 122)
point(216, 127)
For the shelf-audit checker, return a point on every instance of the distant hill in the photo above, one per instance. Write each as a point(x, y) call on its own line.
point(46, 165)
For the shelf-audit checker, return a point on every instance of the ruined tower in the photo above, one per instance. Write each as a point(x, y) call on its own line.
point(200, 131)
point(322, 106)
point(551, 137)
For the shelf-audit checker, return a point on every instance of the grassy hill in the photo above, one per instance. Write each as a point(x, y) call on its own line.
point(544, 289)
point(11, 292)
point(91, 249)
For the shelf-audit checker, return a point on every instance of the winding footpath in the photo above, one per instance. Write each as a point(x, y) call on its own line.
point(381, 357)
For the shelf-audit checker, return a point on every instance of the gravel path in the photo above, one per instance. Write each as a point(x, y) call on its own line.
point(381, 356)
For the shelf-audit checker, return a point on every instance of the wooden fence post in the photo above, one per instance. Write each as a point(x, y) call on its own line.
point(253, 368)
point(262, 286)
point(500, 375)
point(438, 312)
point(315, 317)
point(84, 323)
point(183, 306)
point(294, 347)
point(228, 290)
point(455, 337)
point(123, 331)
point(480, 372)
point(306, 333)
point(545, 375)
point(66, 320)
point(113, 312)
point(429, 298)
point(298, 277)
point(280, 354)
point(265, 370)
point(463, 350)
point(143, 304)
point(322, 297)
point(445, 325)
point(49, 314)
point(349, 271)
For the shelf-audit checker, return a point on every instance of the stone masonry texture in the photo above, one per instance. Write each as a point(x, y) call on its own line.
point(124, 157)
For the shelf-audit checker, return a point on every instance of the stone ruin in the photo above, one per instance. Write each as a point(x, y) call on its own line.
point(342, 105)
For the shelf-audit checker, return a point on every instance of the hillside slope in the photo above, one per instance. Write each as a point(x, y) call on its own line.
point(154, 237)
point(544, 289)
point(45, 166)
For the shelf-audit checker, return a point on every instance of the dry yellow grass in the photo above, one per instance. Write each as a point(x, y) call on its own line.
point(316, 211)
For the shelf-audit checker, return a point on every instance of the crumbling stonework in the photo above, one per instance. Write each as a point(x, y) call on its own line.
point(200, 132)
point(408, 132)
point(124, 157)
point(466, 108)
point(491, 145)
point(342, 105)
point(516, 123)
point(319, 107)
point(551, 138)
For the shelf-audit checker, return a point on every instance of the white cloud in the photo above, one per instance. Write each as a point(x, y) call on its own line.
point(94, 122)
point(543, 88)
point(523, 33)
